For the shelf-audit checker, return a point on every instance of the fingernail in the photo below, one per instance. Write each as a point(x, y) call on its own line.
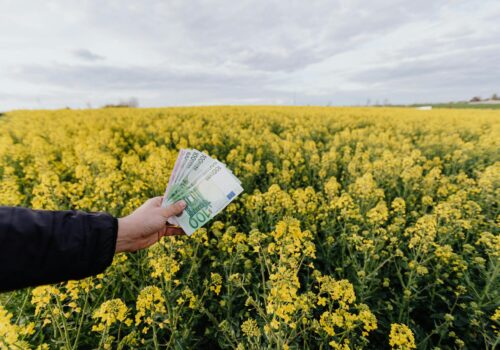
point(181, 204)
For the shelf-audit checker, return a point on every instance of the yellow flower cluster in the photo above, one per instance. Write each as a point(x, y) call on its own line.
point(110, 312)
point(342, 316)
point(162, 264)
point(341, 291)
point(250, 328)
point(150, 302)
point(215, 283)
point(10, 334)
point(401, 337)
point(42, 296)
point(291, 246)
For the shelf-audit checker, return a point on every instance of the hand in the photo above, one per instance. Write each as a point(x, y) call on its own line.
point(146, 225)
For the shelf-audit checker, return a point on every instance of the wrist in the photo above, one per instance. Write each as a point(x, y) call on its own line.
point(123, 239)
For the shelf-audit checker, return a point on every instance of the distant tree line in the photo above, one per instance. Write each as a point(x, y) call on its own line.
point(493, 97)
point(132, 102)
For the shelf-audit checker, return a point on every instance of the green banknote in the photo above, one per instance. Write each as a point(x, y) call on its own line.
point(205, 184)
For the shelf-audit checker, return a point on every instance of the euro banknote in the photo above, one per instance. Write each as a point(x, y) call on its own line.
point(205, 184)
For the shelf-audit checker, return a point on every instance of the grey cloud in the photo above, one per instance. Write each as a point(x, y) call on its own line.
point(146, 78)
point(153, 86)
point(87, 55)
point(261, 35)
point(315, 34)
point(287, 61)
point(458, 76)
point(465, 65)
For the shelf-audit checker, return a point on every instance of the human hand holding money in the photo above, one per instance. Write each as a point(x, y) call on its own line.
point(146, 225)
point(206, 185)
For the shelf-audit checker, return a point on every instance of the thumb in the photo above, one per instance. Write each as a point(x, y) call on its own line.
point(173, 209)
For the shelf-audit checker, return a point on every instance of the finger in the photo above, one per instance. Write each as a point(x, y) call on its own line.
point(174, 231)
point(174, 209)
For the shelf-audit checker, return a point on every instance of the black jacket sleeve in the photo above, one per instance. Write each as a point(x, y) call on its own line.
point(44, 246)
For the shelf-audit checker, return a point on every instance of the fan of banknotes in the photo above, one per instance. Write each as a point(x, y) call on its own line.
point(205, 184)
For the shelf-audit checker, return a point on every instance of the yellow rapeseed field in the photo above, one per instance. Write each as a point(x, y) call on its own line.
point(358, 228)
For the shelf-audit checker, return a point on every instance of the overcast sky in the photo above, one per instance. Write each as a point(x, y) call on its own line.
point(55, 54)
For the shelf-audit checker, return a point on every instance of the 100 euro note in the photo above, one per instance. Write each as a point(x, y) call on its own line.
point(179, 187)
point(205, 184)
point(201, 166)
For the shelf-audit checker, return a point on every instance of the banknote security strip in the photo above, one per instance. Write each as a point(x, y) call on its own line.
point(205, 184)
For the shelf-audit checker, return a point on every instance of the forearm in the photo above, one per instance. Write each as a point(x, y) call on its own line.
point(40, 247)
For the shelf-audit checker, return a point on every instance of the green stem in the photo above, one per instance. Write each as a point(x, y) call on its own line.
point(155, 339)
point(65, 325)
point(486, 289)
point(82, 318)
point(22, 307)
point(56, 324)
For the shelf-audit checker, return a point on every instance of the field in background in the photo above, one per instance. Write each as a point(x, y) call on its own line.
point(359, 227)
